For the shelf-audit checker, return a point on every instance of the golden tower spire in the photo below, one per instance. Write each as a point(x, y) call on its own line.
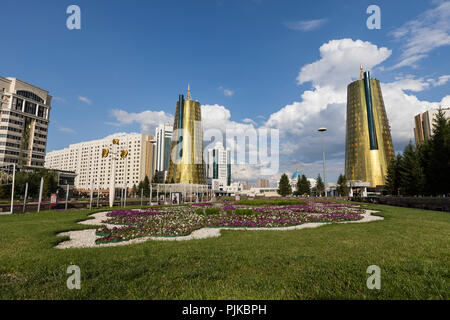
point(361, 72)
point(188, 97)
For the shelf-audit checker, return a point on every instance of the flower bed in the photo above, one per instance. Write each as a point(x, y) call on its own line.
point(183, 220)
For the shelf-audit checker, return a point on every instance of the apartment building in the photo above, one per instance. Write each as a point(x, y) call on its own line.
point(24, 120)
point(85, 158)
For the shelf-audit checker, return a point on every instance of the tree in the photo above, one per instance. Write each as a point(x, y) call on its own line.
point(158, 177)
point(342, 187)
point(140, 187)
point(22, 178)
point(50, 182)
point(284, 187)
point(33, 178)
point(5, 191)
point(437, 168)
point(393, 175)
point(320, 188)
point(411, 176)
point(425, 169)
point(134, 190)
point(146, 186)
point(303, 186)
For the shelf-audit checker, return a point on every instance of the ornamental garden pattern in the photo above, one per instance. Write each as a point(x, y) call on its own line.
point(175, 221)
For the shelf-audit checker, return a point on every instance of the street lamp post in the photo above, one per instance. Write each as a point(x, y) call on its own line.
point(323, 154)
point(114, 156)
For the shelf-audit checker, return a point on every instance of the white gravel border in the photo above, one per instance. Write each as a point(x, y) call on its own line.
point(86, 238)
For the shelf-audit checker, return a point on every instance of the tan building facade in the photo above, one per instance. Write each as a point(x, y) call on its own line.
point(262, 183)
point(24, 120)
point(423, 124)
point(85, 158)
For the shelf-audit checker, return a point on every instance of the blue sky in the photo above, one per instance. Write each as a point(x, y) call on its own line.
point(244, 59)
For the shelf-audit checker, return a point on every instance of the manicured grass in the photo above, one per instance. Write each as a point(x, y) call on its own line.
point(412, 248)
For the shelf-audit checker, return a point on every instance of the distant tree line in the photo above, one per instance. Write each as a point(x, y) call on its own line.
point(303, 187)
point(144, 187)
point(33, 178)
point(423, 169)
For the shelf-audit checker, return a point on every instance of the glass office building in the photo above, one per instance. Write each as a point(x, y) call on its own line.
point(186, 161)
point(368, 147)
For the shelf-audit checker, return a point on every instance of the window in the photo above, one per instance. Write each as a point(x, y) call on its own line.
point(30, 107)
point(30, 95)
point(17, 104)
point(41, 111)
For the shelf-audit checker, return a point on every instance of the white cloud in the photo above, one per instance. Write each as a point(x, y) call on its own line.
point(245, 172)
point(340, 61)
point(409, 84)
point(305, 25)
point(216, 119)
point(215, 116)
point(59, 99)
point(118, 135)
point(440, 81)
point(430, 30)
point(297, 117)
point(219, 117)
point(408, 61)
point(402, 107)
point(248, 120)
point(84, 99)
point(67, 130)
point(148, 120)
point(445, 103)
point(226, 92)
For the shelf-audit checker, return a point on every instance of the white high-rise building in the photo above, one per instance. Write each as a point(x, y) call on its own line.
point(163, 137)
point(25, 112)
point(85, 158)
point(219, 164)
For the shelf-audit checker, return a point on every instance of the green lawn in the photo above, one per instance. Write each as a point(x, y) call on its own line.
point(412, 248)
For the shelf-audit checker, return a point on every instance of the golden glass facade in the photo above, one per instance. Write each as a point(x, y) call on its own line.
point(186, 160)
point(368, 145)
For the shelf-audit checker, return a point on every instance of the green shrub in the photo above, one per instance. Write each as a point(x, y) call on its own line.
point(244, 212)
point(210, 211)
point(271, 202)
point(199, 211)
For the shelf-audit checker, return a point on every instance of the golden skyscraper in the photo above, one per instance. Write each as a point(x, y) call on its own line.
point(368, 145)
point(186, 161)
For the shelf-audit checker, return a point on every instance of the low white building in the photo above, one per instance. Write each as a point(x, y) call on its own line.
point(219, 186)
point(261, 192)
point(358, 188)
